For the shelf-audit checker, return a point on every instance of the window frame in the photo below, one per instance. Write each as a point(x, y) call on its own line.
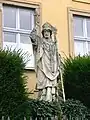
point(85, 38)
point(17, 29)
point(28, 5)
point(71, 12)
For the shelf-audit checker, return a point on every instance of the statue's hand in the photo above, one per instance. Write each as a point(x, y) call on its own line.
point(33, 35)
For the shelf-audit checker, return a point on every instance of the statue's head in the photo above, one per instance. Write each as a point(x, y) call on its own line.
point(47, 30)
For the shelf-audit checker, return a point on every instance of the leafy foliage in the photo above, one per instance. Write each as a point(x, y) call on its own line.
point(13, 90)
point(14, 101)
point(70, 109)
point(76, 77)
point(37, 108)
point(75, 110)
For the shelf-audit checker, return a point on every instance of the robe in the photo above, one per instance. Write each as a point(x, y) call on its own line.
point(47, 67)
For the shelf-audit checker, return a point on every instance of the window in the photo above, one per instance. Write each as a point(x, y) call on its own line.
point(17, 25)
point(81, 35)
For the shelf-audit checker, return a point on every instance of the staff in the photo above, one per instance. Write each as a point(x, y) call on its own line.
point(59, 62)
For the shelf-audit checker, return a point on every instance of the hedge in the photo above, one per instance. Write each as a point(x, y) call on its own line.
point(13, 90)
point(76, 75)
point(14, 100)
point(75, 110)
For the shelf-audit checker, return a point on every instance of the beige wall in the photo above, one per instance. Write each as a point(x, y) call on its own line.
point(56, 12)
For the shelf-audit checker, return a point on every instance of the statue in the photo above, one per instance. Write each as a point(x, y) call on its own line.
point(46, 60)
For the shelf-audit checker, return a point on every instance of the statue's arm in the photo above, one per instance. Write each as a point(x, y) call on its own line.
point(33, 37)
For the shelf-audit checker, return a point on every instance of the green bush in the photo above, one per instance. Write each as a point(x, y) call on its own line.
point(37, 108)
point(70, 109)
point(14, 101)
point(74, 110)
point(76, 77)
point(13, 90)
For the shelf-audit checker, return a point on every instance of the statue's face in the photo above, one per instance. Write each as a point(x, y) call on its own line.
point(46, 34)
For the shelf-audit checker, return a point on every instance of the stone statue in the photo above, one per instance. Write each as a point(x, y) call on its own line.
point(47, 64)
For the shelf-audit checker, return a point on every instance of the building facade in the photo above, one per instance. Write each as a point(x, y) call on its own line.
point(70, 17)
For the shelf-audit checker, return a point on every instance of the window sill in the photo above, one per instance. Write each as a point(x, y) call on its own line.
point(30, 68)
point(82, 1)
